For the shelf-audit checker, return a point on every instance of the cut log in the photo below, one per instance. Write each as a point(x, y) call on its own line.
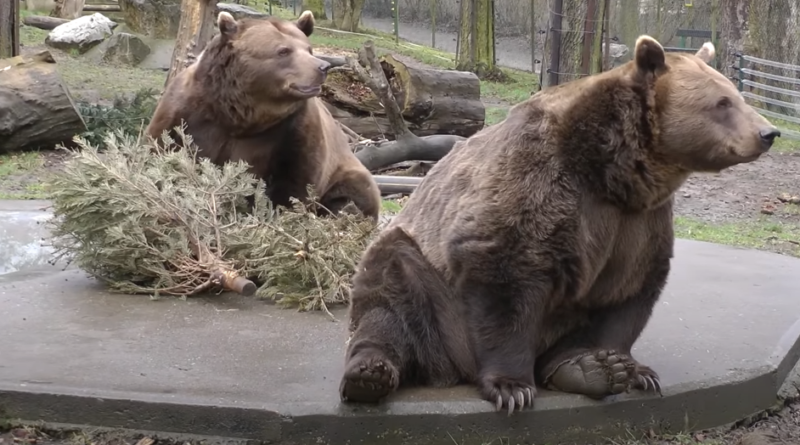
point(431, 101)
point(36, 110)
point(195, 30)
point(43, 21)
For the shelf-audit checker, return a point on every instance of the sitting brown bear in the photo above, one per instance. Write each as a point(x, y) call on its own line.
point(252, 95)
point(535, 251)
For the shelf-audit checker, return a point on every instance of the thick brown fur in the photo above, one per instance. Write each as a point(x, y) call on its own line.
point(252, 96)
point(534, 252)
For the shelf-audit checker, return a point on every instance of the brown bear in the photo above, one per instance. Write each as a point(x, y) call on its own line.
point(252, 95)
point(534, 252)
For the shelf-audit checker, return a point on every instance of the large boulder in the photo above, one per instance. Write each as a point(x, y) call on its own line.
point(158, 19)
point(81, 34)
point(124, 49)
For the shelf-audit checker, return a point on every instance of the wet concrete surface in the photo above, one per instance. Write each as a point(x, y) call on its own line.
point(21, 235)
point(724, 337)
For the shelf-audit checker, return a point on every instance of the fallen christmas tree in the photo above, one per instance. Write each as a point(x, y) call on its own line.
point(145, 220)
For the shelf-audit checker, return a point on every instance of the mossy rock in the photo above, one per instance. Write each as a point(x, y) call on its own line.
point(158, 19)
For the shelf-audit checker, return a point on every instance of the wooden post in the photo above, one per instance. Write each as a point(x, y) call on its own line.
point(533, 37)
point(555, 48)
point(589, 30)
point(195, 31)
point(9, 28)
point(433, 23)
point(607, 36)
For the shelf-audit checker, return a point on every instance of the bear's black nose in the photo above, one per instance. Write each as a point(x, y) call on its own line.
point(768, 135)
point(324, 66)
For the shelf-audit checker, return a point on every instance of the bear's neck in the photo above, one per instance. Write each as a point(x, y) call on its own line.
point(613, 147)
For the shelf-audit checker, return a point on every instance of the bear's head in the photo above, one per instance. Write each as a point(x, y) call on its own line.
point(703, 124)
point(260, 69)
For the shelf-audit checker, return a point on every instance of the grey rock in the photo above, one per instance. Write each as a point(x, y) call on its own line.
point(124, 48)
point(82, 33)
point(239, 11)
point(158, 19)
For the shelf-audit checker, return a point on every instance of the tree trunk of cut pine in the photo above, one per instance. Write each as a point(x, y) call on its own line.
point(347, 14)
point(317, 7)
point(431, 101)
point(477, 30)
point(573, 24)
point(68, 9)
point(42, 113)
point(196, 30)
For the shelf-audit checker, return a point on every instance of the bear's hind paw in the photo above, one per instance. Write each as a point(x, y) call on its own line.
point(368, 378)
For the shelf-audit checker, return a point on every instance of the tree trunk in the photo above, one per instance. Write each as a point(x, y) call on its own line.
point(68, 9)
point(195, 31)
point(43, 22)
point(431, 101)
point(317, 7)
point(36, 110)
point(347, 14)
point(476, 39)
point(9, 29)
point(573, 22)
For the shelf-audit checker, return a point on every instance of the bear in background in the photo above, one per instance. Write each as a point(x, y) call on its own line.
point(536, 251)
point(252, 95)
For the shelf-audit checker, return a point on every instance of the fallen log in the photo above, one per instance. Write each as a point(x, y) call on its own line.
point(406, 145)
point(36, 110)
point(392, 185)
point(431, 101)
point(43, 21)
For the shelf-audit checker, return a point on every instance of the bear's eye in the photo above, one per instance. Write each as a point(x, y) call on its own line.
point(724, 103)
point(284, 52)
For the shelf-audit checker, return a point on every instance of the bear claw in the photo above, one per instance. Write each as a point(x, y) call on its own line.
point(368, 378)
point(509, 393)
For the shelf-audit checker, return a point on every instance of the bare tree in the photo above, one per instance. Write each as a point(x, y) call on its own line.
point(347, 14)
point(317, 7)
point(476, 39)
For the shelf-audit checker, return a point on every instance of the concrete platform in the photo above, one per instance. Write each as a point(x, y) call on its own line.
point(724, 337)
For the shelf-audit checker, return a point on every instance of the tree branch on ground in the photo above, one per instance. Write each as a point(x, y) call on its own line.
point(407, 145)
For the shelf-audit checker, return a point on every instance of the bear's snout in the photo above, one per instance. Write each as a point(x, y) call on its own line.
point(768, 136)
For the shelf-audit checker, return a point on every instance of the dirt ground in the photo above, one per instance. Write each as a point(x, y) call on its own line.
point(782, 427)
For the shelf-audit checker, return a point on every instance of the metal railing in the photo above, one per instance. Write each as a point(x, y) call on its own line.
point(773, 89)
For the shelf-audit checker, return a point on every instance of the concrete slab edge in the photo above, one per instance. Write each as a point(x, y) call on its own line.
point(407, 423)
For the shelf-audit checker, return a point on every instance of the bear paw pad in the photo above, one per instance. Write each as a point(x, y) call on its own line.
point(368, 377)
point(603, 372)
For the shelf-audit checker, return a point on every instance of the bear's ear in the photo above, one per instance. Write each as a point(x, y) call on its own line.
point(306, 22)
point(227, 25)
point(649, 55)
point(707, 52)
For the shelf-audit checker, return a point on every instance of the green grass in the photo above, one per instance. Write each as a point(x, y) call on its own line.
point(15, 166)
point(785, 144)
point(764, 233)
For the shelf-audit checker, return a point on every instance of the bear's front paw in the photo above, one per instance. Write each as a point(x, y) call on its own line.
point(369, 376)
point(507, 392)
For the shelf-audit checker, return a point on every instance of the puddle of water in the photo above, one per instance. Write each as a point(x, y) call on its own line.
point(22, 239)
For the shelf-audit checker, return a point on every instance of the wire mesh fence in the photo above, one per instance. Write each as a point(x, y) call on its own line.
point(772, 89)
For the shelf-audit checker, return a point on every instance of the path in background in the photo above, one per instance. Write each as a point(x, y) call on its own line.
point(512, 52)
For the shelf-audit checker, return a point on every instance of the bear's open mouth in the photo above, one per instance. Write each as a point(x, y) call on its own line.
point(308, 91)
